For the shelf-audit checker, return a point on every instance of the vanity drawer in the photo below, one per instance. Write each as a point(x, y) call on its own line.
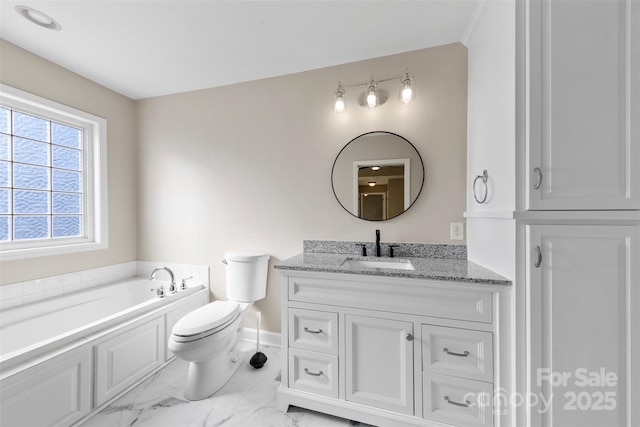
point(397, 295)
point(313, 330)
point(457, 401)
point(313, 372)
point(459, 352)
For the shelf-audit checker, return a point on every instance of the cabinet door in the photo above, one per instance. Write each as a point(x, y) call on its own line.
point(583, 325)
point(584, 105)
point(379, 363)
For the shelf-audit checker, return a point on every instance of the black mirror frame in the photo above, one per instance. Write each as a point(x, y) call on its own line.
point(414, 200)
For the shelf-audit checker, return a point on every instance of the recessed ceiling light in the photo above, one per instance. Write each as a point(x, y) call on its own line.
point(38, 18)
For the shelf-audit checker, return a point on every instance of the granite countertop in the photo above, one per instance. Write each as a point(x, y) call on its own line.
point(459, 270)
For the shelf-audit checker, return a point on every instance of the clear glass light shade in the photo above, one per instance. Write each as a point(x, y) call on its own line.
point(406, 93)
point(339, 105)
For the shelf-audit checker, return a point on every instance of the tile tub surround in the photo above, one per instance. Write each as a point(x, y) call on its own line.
point(15, 294)
point(402, 250)
point(458, 270)
point(247, 400)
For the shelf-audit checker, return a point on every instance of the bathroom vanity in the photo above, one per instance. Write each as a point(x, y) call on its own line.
point(393, 341)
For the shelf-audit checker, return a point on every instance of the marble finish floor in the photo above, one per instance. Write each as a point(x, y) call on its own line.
point(247, 400)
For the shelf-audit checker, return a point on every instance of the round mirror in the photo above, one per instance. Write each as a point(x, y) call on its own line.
point(377, 176)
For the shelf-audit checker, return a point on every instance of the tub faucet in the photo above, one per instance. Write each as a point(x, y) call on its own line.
point(377, 242)
point(172, 285)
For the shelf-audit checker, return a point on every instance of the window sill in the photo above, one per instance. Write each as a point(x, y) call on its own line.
point(10, 254)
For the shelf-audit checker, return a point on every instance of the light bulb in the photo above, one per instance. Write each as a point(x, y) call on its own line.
point(407, 94)
point(339, 106)
point(372, 99)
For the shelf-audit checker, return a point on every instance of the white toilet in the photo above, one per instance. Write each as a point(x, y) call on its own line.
point(208, 336)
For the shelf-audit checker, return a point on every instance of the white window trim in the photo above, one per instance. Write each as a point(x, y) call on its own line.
point(96, 209)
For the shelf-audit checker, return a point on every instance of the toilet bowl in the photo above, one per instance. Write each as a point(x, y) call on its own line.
point(207, 338)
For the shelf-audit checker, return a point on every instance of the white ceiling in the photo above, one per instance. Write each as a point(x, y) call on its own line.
point(144, 48)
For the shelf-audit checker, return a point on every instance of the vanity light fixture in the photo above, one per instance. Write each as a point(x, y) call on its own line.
point(373, 95)
point(41, 19)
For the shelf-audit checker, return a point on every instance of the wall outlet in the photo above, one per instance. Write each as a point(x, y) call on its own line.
point(457, 231)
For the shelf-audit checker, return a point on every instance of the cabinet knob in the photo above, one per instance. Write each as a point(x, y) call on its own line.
point(409, 337)
point(539, 182)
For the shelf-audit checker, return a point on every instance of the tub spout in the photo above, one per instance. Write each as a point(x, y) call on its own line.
point(172, 285)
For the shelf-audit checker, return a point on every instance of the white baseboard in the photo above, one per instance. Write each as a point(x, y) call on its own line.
point(271, 339)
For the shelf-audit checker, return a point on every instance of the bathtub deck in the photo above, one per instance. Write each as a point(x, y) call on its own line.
point(247, 400)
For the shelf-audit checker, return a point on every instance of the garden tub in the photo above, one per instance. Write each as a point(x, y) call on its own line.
point(63, 358)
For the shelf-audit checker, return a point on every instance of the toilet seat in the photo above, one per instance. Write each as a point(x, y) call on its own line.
point(205, 321)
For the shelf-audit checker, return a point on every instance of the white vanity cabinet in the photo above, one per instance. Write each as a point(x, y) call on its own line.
point(584, 101)
point(389, 350)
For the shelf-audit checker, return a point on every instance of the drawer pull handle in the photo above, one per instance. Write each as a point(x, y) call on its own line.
point(315, 374)
point(466, 403)
point(451, 353)
point(309, 331)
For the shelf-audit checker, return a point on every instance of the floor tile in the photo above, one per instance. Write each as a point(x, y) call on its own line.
point(247, 400)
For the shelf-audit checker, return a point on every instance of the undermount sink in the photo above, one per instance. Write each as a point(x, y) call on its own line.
point(400, 264)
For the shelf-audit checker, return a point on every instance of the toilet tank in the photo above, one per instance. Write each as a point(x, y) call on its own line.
point(246, 275)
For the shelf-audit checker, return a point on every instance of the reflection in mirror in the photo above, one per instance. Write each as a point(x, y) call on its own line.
point(377, 176)
point(381, 188)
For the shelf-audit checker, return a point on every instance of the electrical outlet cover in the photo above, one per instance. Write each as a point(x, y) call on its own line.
point(457, 231)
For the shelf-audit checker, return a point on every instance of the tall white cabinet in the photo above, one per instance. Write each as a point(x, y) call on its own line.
point(576, 208)
point(583, 77)
point(581, 232)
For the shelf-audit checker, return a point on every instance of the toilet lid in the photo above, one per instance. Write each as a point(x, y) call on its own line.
point(206, 318)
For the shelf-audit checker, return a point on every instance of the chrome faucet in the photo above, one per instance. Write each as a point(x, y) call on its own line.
point(377, 242)
point(172, 286)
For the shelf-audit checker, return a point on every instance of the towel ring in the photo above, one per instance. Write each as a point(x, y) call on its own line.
point(484, 178)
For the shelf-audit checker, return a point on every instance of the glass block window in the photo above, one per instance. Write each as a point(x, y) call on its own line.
point(41, 189)
point(52, 177)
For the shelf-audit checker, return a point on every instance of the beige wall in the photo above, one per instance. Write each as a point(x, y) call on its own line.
point(28, 72)
point(248, 166)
